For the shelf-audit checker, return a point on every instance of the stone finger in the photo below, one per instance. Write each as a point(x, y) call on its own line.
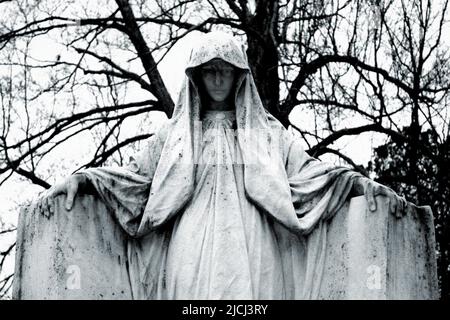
point(400, 208)
point(39, 205)
point(52, 206)
point(47, 206)
point(69, 200)
point(371, 197)
point(393, 205)
point(44, 207)
point(405, 206)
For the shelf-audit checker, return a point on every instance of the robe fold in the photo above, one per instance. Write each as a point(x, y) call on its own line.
point(222, 245)
point(223, 204)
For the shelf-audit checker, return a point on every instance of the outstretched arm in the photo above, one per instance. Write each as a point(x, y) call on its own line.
point(107, 182)
point(307, 173)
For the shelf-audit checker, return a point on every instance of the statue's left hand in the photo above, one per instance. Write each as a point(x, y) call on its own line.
point(397, 204)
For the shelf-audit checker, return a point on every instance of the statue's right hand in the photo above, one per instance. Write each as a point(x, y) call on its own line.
point(68, 186)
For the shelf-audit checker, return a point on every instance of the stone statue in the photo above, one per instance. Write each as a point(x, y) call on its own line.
point(223, 203)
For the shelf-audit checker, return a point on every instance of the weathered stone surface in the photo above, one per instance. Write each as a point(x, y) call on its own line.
point(77, 254)
point(81, 254)
point(374, 255)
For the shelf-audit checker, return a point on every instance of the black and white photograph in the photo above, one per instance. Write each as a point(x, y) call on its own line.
point(233, 151)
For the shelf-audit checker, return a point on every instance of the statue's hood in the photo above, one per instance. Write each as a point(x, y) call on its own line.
point(264, 173)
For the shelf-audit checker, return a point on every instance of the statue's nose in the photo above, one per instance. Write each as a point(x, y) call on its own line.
point(218, 78)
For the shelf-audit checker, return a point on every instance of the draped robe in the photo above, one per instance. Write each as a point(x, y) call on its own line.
point(223, 205)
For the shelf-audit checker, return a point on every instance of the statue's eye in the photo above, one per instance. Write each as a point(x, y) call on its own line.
point(208, 72)
point(228, 72)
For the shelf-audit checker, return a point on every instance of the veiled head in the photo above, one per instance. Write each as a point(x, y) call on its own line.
point(216, 64)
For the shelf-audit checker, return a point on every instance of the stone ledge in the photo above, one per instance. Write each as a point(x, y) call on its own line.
point(81, 254)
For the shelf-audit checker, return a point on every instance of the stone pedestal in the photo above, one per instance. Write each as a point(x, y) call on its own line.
point(77, 254)
point(81, 254)
point(374, 255)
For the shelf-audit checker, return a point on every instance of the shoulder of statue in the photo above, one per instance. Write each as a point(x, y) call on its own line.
point(274, 123)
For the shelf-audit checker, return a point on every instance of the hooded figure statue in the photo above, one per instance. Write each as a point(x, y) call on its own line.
point(223, 204)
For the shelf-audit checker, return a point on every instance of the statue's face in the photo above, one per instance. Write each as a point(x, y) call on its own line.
point(218, 79)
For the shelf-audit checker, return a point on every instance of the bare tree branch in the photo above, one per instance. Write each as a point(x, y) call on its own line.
point(158, 87)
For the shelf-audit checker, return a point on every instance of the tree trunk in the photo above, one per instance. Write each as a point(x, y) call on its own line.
point(262, 35)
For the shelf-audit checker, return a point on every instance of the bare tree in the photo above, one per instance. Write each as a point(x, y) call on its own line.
point(353, 66)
